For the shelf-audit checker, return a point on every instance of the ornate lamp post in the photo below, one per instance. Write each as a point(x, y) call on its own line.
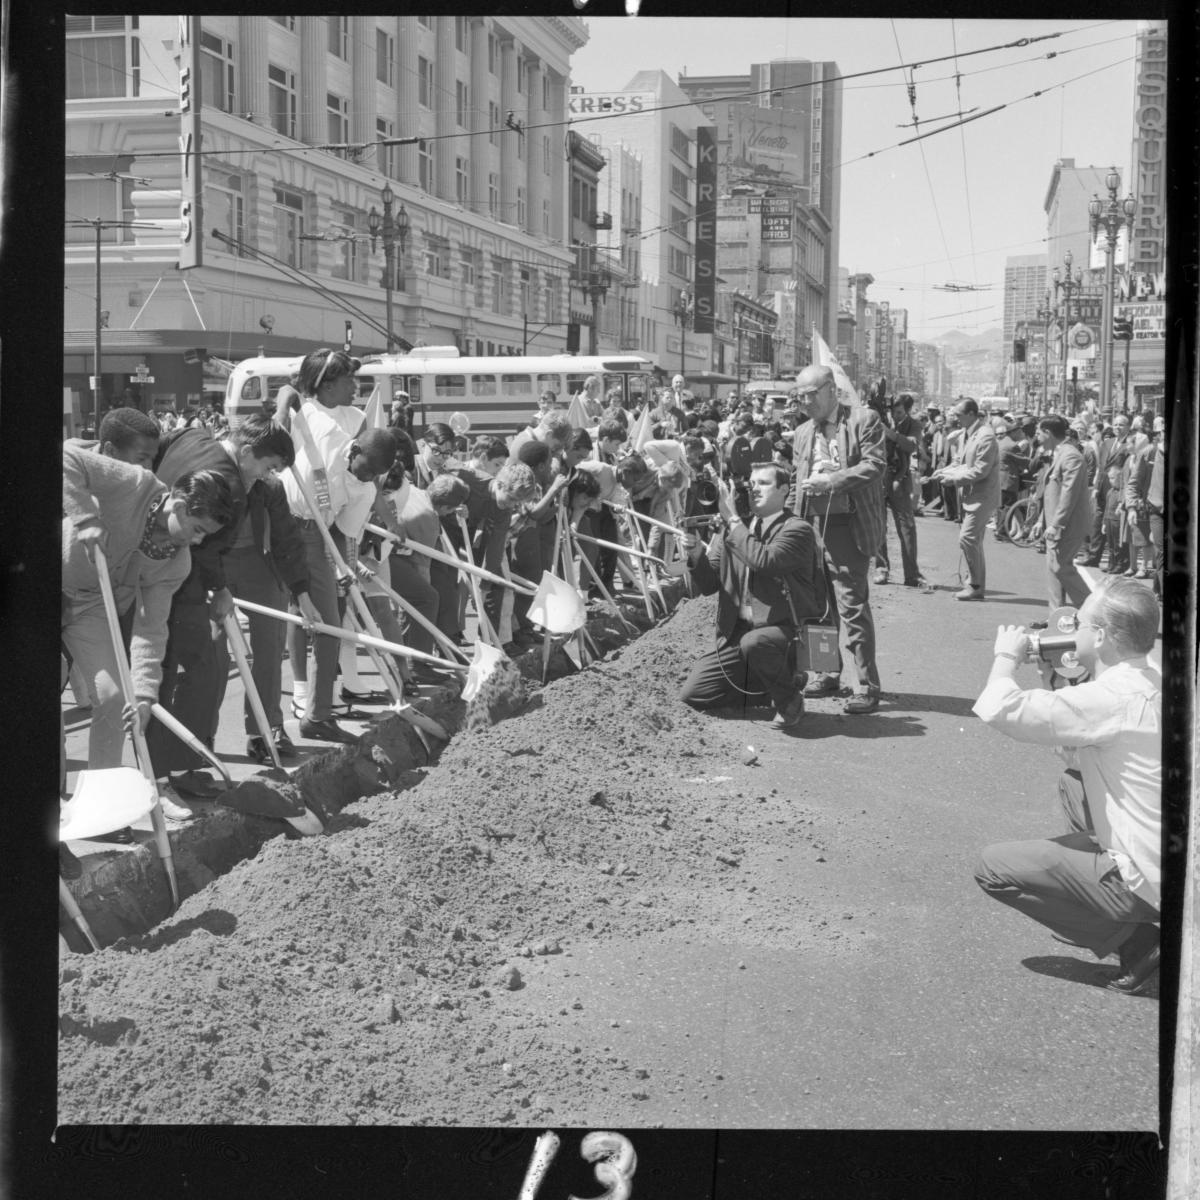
point(390, 228)
point(684, 311)
point(1068, 285)
point(1046, 314)
point(1109, 218)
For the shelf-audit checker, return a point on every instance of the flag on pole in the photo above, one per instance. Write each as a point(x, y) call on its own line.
point(639, 433)
point(577, 414)
point(824, 357)
point(375, 417)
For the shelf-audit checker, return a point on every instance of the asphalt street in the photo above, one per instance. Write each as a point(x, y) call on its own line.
point(932, 1007)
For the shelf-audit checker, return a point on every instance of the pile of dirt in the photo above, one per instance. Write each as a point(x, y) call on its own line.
point(362, 977)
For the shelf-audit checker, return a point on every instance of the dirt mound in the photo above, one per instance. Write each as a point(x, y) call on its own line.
point(359, 977)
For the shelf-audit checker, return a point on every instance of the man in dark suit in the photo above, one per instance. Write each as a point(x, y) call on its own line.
point(839, 457)
point(1067, 512)
point(770, 580)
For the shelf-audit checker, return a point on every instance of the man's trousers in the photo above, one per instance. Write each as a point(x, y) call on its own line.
point(847, 568)
point(248, 576)
point(897, 496)
point(753, 663)
point(1066, 585)
point(323, 592)
point(408, 581)
point(1067, 883)
point(970, 542)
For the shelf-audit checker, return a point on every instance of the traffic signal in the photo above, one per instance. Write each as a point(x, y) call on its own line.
point(1122, 329)
point(1018, 351)
point(573, 338)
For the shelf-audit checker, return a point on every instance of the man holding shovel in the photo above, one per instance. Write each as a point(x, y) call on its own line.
point(146, 530)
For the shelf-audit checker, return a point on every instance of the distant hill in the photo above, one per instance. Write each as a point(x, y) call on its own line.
point(957, 340)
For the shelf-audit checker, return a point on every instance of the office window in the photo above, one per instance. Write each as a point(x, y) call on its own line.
point(385, 57)
point(107, 199)
point(337, 112)
point(679, 222)
point(348, 250)
point(386, 156)
point(462, 181)
point(281, 85)
point(524, 289)
point(466, 262)
point(462, 102)
point(546, 154)
point(216, 72)
point(521, 68)
point(678, 262)
point(224, 209)
point(424, 82)
point(436, 256)
point(551, 297)
point(103, 57)
point(493, 54)
point(460, 33)
point(425, 165)
point(681, 144)
point(339, 36)
point(546, 91)
point(289, 225)
point(679, 183)
point(286, 22)
point(494, 123)
point(493, 195)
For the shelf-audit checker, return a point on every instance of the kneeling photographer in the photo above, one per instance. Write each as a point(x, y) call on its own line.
point(771, 579)
point(1097, 884)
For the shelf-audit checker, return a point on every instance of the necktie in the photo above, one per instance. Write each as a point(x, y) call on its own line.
point(746, 608)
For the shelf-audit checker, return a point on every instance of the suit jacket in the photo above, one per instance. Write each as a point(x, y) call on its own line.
point(1067, 501)
point(787, 557)
point(861, 452)
point(1014, 462)
point(977, 470)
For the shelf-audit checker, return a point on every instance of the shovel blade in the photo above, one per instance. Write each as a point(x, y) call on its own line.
point(484, 661)
point(260, 797)
point(104, 800)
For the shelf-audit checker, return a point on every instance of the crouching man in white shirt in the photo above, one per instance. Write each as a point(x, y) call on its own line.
point(1097, 885)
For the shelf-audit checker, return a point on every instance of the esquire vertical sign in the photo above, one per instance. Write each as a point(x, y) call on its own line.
point(1150, 140)
point(705, 284)
point(191, 237)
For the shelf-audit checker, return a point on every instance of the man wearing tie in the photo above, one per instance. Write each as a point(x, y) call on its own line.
point(770, 579)
point(839, 456)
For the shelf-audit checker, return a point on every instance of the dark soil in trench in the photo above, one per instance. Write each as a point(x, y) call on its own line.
point(375, 974)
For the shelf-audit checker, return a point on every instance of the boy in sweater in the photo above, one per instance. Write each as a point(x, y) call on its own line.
point(145, 530)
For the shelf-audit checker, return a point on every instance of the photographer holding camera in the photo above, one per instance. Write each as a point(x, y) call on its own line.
point(770, 579)
point(1097, 885)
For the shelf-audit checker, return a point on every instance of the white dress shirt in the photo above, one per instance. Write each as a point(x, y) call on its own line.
point(1110, 730)
point(350, 499)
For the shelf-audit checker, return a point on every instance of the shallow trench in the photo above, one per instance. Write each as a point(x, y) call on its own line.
point(128, 894)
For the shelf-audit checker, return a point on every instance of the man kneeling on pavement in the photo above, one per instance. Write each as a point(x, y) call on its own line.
point(1097, 885)
point(771, 579)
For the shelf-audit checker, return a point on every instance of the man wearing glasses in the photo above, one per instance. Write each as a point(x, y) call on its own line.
point(839, 457)
point(1098, 884)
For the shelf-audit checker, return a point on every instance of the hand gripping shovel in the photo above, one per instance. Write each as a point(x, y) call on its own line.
point(162, 842)
point(249, 795)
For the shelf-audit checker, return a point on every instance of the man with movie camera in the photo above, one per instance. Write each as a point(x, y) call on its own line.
point(1097, 885)
point(770, 579)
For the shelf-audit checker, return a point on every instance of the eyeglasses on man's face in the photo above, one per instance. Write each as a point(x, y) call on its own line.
point(1077, 624)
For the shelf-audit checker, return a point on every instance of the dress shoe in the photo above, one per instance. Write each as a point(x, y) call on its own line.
point(791, 714)
point(862, 702)
point(969, 593)
point(172, 806)
point(283, 744)
point(353, 699)
point(880, 576)
point(914, 582)
point(1140, 955)
point(326, 731)
point(257, 749)
point(195, 785)
point(823, 685)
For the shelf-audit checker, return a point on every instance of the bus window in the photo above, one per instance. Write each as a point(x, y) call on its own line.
point(516, 385)
point(365, 386)
point(252, 388)
point(412, 385)
point(483, 385)
point(451, 387)
point(550, 383)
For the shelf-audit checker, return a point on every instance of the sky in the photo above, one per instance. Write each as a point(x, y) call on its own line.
point(949, 208)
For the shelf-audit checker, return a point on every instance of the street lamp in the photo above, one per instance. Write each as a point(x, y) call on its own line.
point(684, 311)
point(1068, 285)
point(391, 228)
point(1110, 218)
point(1046, 315)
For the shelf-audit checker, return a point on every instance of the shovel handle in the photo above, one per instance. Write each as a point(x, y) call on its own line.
point(237, 644)
point(346, 635)
point(583, 537)
point(632, 512)
point(448, 560)
point(185, 735)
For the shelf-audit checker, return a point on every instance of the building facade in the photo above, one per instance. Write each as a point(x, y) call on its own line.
point(1025, 280)
point(303, 122)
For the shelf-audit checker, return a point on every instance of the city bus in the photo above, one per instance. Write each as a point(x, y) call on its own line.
point(498, 394)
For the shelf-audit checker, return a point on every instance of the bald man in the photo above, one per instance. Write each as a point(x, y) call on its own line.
point(839, 456)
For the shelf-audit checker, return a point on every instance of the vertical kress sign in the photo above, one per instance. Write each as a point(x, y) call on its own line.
point(191, 188)
point(705, 284)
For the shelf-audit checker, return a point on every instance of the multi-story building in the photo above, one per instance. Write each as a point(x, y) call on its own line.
point(1024, 291)
point(779, 132)
point(302, 122)
point(652, 119)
